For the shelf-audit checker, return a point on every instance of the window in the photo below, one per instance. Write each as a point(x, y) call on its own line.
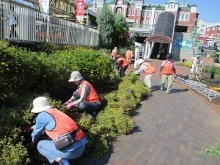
point(129, 11)
point(187, 17)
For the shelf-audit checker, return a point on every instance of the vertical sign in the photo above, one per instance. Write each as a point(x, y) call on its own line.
point(80, 10)
point(44, 6)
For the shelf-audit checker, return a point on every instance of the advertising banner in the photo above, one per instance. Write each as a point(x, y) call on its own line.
point(44, 6)
point(80, 10)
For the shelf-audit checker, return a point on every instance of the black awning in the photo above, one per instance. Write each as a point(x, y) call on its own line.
point(163, 30)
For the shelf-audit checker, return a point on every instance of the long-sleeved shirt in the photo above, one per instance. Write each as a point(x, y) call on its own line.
point(45, 121)
point(85, 91)
point(141, 69)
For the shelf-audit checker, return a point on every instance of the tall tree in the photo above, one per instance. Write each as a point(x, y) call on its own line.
point(105, 20)
point(121, 29)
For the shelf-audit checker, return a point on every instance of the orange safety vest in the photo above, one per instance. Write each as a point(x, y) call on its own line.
point(64, 124)
point(129, 54)
point(168, 68)
point(92, 96)
point(114, 53)
point(125, 62)
point(150, 69)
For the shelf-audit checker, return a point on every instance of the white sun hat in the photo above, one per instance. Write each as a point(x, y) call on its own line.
point(139, 61)
point(40, 104)
point(75, 76)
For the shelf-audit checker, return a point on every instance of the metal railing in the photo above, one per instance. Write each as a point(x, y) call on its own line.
point(34, 26)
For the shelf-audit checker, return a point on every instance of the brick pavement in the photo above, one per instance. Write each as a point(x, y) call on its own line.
point(171, 129)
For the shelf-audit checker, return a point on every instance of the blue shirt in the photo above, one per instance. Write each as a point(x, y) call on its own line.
point(45, 121)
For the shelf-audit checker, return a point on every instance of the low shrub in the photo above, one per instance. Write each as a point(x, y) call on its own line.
point(213, 151)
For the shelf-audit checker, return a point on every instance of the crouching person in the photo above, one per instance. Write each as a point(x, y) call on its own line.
point(85, 97)
point(67, 139)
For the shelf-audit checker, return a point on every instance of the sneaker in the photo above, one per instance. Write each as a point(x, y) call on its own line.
point(167, 92)
point(64, 162)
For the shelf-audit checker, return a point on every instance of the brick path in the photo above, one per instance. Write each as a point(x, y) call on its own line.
point(170, 129)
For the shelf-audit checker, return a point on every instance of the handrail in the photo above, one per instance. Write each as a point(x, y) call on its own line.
point(34, 26)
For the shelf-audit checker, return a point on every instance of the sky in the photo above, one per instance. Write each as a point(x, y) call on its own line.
point(209, 10)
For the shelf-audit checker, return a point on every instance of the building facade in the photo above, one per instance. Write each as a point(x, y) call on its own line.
point(142, 16)
point(142, 19)
point(209, 33)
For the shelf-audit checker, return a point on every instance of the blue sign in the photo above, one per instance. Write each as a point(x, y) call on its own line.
point(182, 43)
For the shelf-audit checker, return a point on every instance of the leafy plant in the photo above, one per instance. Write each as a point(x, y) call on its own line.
point(105, 20)
point(214, 151)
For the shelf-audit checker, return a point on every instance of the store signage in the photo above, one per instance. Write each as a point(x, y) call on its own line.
point(80, 10)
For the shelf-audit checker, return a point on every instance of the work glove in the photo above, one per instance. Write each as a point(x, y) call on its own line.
point(69, 105)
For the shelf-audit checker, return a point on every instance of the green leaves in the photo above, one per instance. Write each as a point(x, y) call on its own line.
point(105, 22)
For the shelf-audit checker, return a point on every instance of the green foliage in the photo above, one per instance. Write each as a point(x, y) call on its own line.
point(121, 29)
point(89, 62)
point(186, 63)
point(122, 50)
point(105, 20)
point(22, 72)
point(114, 122)
point(212, 69)
point(214, 151)
point(98, 145)
point(12, 153)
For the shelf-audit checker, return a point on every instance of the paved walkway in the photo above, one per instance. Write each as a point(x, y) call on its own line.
point(170, 129)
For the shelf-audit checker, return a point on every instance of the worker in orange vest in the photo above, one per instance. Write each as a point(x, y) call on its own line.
point(129, 55)
point(85, 97)
point(167, 70)
point(122, 64)
point(147, 69)
point(67, 140)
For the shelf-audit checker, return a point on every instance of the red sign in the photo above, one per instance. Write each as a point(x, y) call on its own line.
point(80, 9)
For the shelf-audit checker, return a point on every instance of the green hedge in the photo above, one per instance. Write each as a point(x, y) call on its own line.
point(26, 75)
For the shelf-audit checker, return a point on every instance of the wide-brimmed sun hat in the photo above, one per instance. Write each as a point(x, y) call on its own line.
point(40, 104)
point(139, 61)
point(75, 76)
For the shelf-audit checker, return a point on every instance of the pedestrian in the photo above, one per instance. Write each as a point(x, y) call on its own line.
point(129, 55)
point(85, 97)
point(122, 64)
point(195, 64)
point(167, 70)
point(136, 56)
point(67, 140)
point(13, 21)
point(114, 53)
point(148, 70)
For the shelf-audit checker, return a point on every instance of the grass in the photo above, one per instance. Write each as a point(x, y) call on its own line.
point(213, 151)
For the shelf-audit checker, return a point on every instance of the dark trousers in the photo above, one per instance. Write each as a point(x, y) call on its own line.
point(13, 33)
point(90, 107)
point(122, 70)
